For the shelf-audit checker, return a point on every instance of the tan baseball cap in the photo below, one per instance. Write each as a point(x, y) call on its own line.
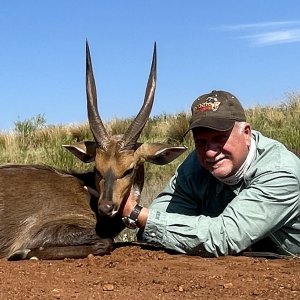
point(217, 110)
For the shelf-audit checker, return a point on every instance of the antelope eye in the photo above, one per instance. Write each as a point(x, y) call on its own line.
point(128, 172)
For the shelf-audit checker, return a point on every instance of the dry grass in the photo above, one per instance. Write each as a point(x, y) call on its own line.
point(34, 142)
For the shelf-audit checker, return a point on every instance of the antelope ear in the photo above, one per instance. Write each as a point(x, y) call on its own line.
point(159, 154)
point(85, 151)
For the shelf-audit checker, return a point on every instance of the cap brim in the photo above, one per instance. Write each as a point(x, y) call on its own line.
point(215, 124)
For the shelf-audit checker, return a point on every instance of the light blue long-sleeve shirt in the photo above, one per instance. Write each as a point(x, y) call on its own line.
point(197, 214)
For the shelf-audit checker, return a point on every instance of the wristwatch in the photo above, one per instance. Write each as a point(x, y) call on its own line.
point(130, 221)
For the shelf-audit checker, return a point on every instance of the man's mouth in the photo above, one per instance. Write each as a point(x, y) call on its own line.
point(216, 163)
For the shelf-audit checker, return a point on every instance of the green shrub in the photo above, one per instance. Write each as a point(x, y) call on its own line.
point(26, 130)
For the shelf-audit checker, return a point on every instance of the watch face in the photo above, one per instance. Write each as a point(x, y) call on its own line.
point(129, 223)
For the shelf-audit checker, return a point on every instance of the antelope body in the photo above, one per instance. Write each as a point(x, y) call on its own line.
point(48, 213)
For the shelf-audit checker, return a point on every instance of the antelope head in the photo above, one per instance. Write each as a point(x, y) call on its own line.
point(119, 159)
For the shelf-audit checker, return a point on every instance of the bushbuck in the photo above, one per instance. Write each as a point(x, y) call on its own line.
point(48, 213)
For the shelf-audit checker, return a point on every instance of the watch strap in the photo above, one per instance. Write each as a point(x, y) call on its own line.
point(135, 212)
point(130, 221)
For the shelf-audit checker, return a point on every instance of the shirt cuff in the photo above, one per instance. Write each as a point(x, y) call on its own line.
point(154, 231)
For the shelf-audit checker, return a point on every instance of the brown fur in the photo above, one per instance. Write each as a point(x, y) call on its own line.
point(43, 207)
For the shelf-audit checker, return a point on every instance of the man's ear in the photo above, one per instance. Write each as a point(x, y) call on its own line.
point(85, 151)
point(247, 133)
point(159, 154)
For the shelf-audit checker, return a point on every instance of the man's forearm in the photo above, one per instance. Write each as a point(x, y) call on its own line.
point(142, 218)
point(128, 206)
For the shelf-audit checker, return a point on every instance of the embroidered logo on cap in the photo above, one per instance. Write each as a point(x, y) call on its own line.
point(211, 104)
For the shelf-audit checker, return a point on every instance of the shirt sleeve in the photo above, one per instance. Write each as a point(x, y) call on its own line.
point(269, 202)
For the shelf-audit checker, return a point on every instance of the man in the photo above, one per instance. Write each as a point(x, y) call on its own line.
point(237, 189)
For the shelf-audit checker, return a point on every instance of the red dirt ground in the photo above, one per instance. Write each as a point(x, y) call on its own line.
point(134, 271)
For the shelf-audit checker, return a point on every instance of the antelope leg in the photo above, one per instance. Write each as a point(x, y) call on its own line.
point(104, 246)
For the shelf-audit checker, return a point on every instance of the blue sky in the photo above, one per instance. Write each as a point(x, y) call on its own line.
point(250, 48)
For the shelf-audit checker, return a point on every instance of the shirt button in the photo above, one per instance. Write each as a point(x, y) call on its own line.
point(152, 234)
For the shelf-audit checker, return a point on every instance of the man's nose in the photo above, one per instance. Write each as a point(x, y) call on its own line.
point(211, 149)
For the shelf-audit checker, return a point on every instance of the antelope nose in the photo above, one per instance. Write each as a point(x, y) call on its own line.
point(107, 209)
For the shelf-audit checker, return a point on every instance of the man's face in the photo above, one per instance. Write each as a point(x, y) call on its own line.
point(223, 152)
